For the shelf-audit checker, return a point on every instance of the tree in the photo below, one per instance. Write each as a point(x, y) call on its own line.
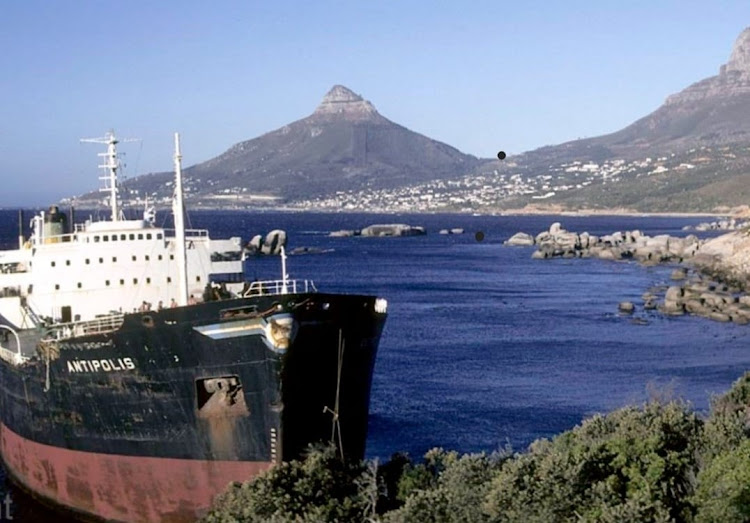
point(630, 465)
point(321, 487)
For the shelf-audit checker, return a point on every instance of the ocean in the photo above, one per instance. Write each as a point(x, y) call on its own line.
point(485, 348)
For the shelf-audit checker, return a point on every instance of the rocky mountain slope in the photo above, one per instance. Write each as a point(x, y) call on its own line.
point(344, 145)
point(691, 154)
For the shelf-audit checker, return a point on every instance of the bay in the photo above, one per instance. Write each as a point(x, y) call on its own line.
point(485, 347)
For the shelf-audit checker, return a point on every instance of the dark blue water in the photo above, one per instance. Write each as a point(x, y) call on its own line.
point(486, 347)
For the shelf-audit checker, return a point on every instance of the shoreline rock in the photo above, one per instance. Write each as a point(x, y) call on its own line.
point(711, 280)
point(558, 242)
point(383, 230)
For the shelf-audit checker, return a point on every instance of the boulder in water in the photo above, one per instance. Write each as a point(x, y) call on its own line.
point(520, 239)
point(393, 229)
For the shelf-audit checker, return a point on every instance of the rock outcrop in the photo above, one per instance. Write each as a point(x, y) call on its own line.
point(269, 245)
point(558, 242)
point(726, 224)
point(393, 229)
point(341, 102)
point(727, 258)
point(712, 283)
point(381, 230)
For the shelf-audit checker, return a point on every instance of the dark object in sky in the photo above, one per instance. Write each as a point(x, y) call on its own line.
point(501, 155)
point(479, 236)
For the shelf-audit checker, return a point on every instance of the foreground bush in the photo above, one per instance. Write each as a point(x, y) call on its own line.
point(631, 465)
point(723, 493)
point(320, 488)
point(729, 423)
point(658, 463)
point(445, 488)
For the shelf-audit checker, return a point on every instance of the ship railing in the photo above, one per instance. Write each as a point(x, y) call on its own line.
point(6, 353)
point(272, 287)
point(102, 324)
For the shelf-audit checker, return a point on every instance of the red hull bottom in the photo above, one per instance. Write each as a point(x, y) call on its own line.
point(124, 488)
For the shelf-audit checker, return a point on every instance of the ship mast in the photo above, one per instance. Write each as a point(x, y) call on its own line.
point(110, 166)
point(178, 210)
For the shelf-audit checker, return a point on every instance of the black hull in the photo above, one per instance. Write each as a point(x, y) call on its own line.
point(223, 389)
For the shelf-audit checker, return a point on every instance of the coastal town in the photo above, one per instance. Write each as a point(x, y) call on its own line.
point(516, 182)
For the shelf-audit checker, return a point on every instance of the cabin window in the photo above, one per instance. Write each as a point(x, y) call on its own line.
point(88, 261)
point(79, 285)
point(169, 279)
point(135, 281)
point(134, 257)
point(122, 282)
point(140, 236)
point(147, 257)
point(123, 237)
point(52, 264)
point(114, 259)
point(171, 256)
point(67, 262)
point(101, 260)
point(197, 278)
point(106, 282)
point(160, 257)
point(57, 286)
point(159, 236)
point(148, 280)
point(132, 236)
point(96, 239)
point(114, 237)
point(148, 236)
point(105, 238)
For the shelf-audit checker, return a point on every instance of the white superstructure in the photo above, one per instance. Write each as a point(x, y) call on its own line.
point(98, 268)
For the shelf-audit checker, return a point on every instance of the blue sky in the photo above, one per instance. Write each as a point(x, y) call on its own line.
point(480, 76)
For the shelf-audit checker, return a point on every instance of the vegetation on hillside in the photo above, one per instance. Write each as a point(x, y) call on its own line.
point(660, 462)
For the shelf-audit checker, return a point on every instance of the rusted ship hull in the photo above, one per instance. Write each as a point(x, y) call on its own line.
point(148, 422)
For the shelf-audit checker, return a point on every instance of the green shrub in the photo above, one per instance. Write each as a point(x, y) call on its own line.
point(723, 493)
point(729, 422)
point(446, 488)
point(630, 465)
point(322, 487)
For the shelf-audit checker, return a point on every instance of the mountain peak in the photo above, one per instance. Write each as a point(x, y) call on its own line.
point(341, 94)
point(740, 57)
point(342, 101)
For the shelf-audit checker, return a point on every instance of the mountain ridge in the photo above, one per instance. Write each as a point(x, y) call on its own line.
point(692, 154)
point(344, 144)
